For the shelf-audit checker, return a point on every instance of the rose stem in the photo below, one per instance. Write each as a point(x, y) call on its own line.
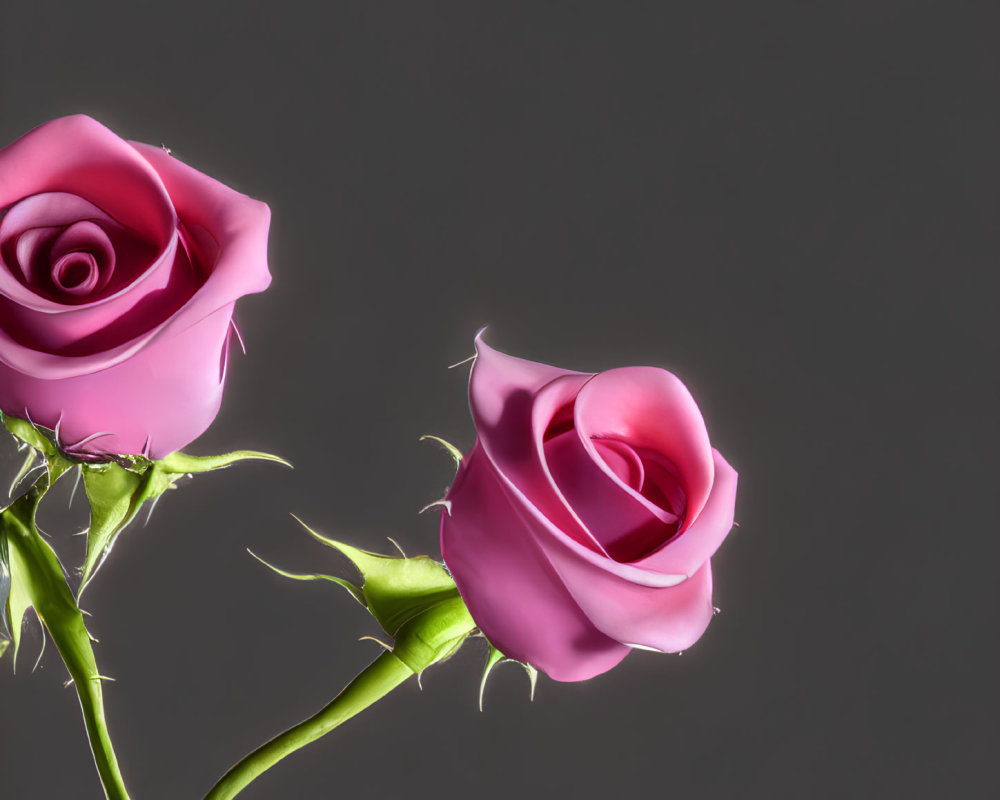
point(56, 607)
point(372, 684)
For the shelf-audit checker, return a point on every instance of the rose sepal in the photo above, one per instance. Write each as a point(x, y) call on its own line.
point(414, 600)
point(117, 486)
point(496, 657)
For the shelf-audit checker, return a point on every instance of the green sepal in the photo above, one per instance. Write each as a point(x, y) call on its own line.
point(454, 452)
point(496, 657)
point(414, 600)
point(179, 463)
point(118, 489)
point(34, 575)
point(4, 644)
point(42, 442)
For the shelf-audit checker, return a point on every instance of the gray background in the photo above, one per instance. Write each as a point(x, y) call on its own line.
point(791, 205)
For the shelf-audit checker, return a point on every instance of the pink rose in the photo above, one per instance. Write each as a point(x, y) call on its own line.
point(582, 522)
point(119, 268)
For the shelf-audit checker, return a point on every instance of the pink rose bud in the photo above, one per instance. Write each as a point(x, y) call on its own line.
point(582, 522)
point(119, 269)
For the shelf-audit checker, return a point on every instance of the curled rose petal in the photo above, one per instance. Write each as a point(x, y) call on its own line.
point(590, 503)
point(119, 268)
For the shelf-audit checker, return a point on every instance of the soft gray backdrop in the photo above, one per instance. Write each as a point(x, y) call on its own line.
point(791, 205)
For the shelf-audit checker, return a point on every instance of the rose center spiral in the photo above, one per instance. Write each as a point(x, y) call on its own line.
point(49, 248)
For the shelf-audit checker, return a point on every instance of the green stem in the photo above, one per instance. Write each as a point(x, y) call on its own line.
point(82, 668)
point(38, 566)
point(375, 682)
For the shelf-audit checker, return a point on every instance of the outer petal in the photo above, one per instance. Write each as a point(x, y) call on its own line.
point(156, 402)
point(229, 231)
point(512, 402)
point(228, 227)
point(670, 618)
point(509, 586)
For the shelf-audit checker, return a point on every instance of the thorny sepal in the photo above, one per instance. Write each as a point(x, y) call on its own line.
point(38, 442)
point(449, 448)
point(496, 657)
point(32, 576)
point(118, 489)
point(414, 600)
point(117, 486)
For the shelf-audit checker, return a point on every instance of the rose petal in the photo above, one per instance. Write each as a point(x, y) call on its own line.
point(238, 225)
point(48, 214)
point(626, 524)
point(649, 408)
point(514, 596)
point(512, 402)
point(155, 402)
point(696, 544)
point(669, 619)
point(522, 469)
point(79, 156)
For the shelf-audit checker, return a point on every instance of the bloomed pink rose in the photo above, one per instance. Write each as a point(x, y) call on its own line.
point(582, 522)
point(119, 269)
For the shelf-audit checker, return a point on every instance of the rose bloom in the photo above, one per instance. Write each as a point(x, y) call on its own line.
point(582, 522)
point(119, 269)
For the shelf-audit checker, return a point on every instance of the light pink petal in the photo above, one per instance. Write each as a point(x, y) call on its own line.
point(508, 585)
point(217, 220)
point(79, 156)
point(28, 228)
point(667, 618)
point(626, 524)
point(512, 402)
point(167, 393)
point(237, 226)
point(649, 408)
point(695, 545)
